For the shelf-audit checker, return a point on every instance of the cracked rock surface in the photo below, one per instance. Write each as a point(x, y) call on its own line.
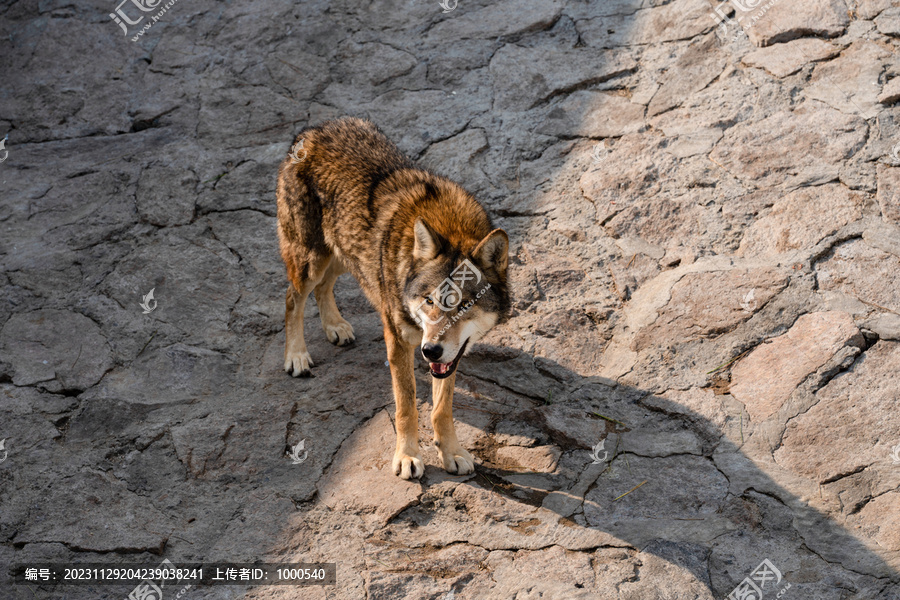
point(701, 371)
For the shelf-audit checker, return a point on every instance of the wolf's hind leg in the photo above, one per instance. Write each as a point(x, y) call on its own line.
point(297, 360)
point(337, 329)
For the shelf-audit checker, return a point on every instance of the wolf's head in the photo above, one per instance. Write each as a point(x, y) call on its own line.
point(456, 297)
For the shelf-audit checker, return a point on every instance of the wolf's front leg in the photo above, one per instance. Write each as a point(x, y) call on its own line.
point(407, 463)
point(456, 459)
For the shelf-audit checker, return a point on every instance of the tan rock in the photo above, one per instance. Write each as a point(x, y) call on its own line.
point(360, 479)
point(858, 269)
point(850, 83)
point(880, 521)
point(801, 220)
point(783, 20)
point(768, 375)
point(700, 64)
point(803, 147)
point(854, 424)
point(704, 304)
point(888, 194)
point(782, 60)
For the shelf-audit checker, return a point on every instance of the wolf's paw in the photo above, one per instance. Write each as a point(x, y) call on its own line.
point(339, 333)
point(457, 460)
point(407, 466)
point(298, 364)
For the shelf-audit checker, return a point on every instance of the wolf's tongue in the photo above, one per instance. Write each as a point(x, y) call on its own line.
point(439, 368)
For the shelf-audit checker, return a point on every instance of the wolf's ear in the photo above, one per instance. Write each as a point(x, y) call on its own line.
point(426, 246)
point(493, 252)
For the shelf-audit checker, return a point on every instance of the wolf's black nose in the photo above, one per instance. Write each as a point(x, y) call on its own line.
point(432, 352)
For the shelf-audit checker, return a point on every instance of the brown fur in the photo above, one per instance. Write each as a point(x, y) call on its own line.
point(352, 204)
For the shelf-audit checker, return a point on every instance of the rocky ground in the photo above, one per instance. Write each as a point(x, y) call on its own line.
point(705, 248)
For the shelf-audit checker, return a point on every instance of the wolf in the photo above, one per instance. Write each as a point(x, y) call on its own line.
point(423, 250)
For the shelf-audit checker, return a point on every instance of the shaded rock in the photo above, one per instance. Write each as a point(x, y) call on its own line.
point(856, 269)
point(252, 236)
point(61, 350)
point(172, 374)
point(456, 156)
point(165, 196)
point(783, 21)
point(648, 433)
point(889, 193)
point(187, 298)
point(768, 375)
point(677, 488)
point(438, 115)
point(850, 83)
point(854, 422)
point(523, 77)
point(501, 19)
point(374, 64)
point(801, 220)
point(704, 304)
point(246, 185)
point(360, 479)
point(782, 60)
point(201, 443)
point(516, 433)
point(91, 514)
point(790, 149)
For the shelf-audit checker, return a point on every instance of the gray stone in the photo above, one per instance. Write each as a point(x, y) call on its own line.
point(60, 350)
point(886, 325)
point(888, 22)
point(500, 19)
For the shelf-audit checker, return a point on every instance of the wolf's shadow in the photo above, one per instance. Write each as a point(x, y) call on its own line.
point(686, 481)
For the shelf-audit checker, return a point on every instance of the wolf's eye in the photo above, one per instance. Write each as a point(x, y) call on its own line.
point(429, 301)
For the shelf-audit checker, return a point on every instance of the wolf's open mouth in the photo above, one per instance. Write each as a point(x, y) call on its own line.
point(443, 370)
